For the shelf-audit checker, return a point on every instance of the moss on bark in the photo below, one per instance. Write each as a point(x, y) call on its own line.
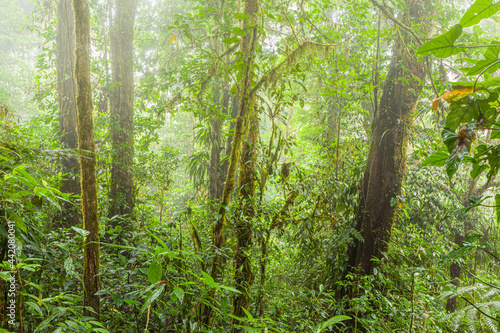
point(91, 255)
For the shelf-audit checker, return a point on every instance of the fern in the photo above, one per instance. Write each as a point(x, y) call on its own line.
point(483, 314)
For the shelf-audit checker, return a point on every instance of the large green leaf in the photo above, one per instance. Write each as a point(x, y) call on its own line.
point(460, 113)
point(443, 46)
point(477, 169)
point(155, 272)
point(439, 159)
point(493, 82)
point(490, 57)
point(479, 10)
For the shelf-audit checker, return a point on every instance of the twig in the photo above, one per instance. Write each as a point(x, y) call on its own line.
point(147, 321)
point(481, 311)
point(395, 20)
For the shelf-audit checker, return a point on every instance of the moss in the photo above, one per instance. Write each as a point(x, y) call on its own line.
point(91, 251)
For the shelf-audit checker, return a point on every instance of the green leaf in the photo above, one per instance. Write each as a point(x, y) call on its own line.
point(439, 159)
point(443, 46)
point(34, 306)
point(231, 40)
point(479, 10)
point(453, 164)
point(493, 82)
point(179, 293)
point(490, 57)
point(224, 304)
point(80, 231)
point(477, 169)
point(155, 272)
point(470, 240)
point(239, 32)
point(209, 280)
point(241, 16)
point(154, 295)
point(449, 138)
point(47, 321)
point(69, 266)
point(332, 321)
point(460, 113)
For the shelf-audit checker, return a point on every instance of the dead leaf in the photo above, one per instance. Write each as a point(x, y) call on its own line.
point(454, 95)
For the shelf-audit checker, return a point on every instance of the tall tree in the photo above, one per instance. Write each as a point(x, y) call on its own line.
point(122, 110)
point(65, 46)
point(247, 47)
point(86, 144)
point(243, 271)
point(385, 166)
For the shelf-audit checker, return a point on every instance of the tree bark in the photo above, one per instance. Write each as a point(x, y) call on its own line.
point(122, 196)
point(247, 48)
point(385, 167)
point(87, 158)
point(215, 167)
point(243, 278)
point(65, 46)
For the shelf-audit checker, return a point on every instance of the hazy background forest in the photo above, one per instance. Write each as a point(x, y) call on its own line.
point(249, 166)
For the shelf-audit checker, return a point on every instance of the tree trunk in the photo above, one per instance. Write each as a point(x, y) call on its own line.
point(247, 47)
point(87, 158)
point(66, 86)
point(122, 194)
point(385, 167)
point(243, 277)
point(215, 170)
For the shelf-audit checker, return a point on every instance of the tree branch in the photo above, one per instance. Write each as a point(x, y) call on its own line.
point(395, 20)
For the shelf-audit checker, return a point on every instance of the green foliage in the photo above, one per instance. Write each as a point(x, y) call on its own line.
point(315, 114)
point(443, 46)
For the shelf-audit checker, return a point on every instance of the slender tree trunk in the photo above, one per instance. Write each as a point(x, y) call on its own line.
point(247, 47)
point(66, 86)
point(385, 167)
point(91, 282)
point(122, 112)
point(214, 173)
point(243, 277)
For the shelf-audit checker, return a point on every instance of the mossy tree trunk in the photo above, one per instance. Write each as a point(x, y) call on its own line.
point(122, 194)
point(247, 48)
point(91, 281)
point(385, 166)
point(243, 277)
point(65, 46)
